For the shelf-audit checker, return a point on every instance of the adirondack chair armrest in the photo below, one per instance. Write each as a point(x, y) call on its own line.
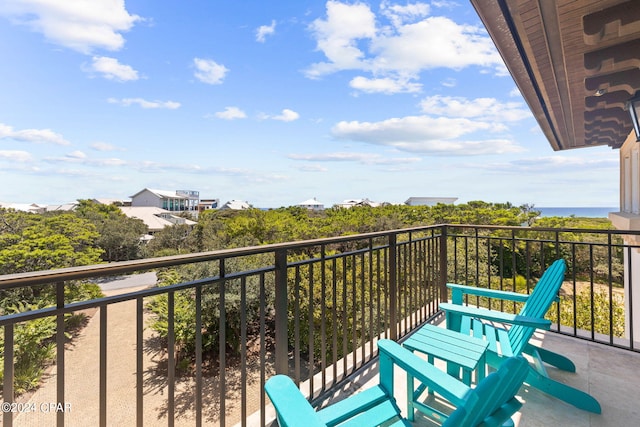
point(495, 316)
point(290, 404)
point(439, 381)
point(458, 291)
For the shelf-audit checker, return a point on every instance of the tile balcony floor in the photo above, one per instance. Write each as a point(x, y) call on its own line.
point(609, 374)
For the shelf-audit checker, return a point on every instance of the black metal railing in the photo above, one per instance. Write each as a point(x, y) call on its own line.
point(596, 300)
point(206, 342)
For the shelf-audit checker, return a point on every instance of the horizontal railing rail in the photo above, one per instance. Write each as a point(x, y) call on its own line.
point(596, 300)
point(301, 308)
point(200, 347)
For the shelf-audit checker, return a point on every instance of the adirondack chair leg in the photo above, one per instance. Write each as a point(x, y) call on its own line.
point(551, 358)
point(575, 397)
point(410, 397)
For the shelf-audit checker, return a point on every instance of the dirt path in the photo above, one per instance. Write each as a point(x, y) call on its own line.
point(567, 288)
point(81, 402)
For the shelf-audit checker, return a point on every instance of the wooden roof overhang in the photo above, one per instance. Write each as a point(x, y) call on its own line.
point(576, 62)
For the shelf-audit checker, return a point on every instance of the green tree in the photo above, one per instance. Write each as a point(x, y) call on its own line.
point(31, 242)
point(171, 240)
point(119, 235)
point(43, 242)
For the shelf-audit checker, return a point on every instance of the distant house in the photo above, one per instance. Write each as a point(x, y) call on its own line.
point(117, 202)
point(236, 205)
point(311, 204)
point(429, 201)
point(172, 201)
point(24, 207)
point(66, 207)
point(349, 203)
point(208, 204)
point(156, 219)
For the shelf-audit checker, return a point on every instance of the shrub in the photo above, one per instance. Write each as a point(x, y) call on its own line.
point(184, 315)
point(34, 346)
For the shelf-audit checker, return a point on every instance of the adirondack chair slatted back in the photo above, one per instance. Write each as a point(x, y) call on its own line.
point(493, 399)
point(539, 302)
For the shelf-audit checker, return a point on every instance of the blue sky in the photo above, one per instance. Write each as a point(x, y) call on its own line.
point(272, 102)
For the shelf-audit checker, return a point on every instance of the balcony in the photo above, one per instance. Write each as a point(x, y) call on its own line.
point(314, 310)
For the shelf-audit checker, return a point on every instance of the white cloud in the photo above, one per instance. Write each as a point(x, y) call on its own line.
point(460, 147)
point(80, 158)
point(399, 44)
point(77, 155)
point(238, 174)
point(265, 30)
point(110, 162)
point(81, 25)
point(111, 69)
point(482, 108)
point(434, 42)
point(557, 164)
point(399, 15)
point(103, 146)
point(209, 71)
point(231, 113)
point(338, 34)
point(313, 168)
point(385, 85)
point(364, 158)
point(449, 82)
point(287, 116)
point(32, 135)
point(410, 128)
point(171, 105)
point(445, 4)
point(424, 134)
point(562, 163)
point(15, 156)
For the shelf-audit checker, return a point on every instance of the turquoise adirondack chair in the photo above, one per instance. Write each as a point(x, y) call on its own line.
point(490, 403)
point(505, 343)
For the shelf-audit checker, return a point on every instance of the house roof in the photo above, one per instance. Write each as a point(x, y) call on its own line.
point(236, 205)
point(63, 207)
point(151, 216)
point(24, 207)
point(576, 63)
point(359, 202)
point(310, 202)
point(164, 194)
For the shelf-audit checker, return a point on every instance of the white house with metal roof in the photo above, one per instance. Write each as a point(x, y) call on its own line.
point(312, 205)
point(172, 201)
point(236, 205)
point(350, 203)
point(156, 219)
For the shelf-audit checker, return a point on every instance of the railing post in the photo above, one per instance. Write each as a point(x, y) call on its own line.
point(282, 345)
point(393, 287)
point(443, 264)
point(8, 392)
point(60, 342)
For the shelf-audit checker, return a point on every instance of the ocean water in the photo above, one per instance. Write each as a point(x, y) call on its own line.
point(579, 212)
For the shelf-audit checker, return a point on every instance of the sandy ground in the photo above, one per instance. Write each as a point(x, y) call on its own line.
point(81, 401)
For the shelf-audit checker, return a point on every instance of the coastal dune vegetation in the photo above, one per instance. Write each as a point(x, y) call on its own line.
point(96, 233)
